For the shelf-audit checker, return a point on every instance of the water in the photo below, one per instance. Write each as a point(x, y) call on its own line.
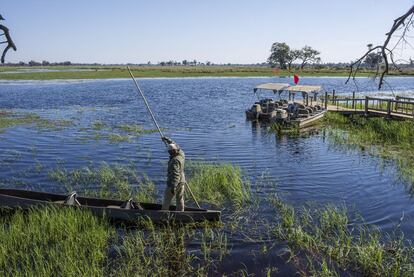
point(206, 117)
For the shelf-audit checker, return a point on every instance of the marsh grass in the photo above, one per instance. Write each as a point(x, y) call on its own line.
point(10, 119)
point(218, 184)
point(385, 138)
point(162, 251)
point(72, 242)
point(47, 242)
point(107, 181)
point(284, 129)
point(326, 232)
point(114, 134)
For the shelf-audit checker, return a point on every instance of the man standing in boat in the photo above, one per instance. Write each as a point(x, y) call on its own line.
point(175, 177)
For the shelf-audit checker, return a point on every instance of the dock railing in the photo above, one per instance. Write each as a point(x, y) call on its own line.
point(401, 106)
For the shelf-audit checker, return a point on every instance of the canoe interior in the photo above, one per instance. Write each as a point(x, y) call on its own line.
point(84, 201)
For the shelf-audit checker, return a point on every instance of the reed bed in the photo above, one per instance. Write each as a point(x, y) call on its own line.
point(385, 138)
point(328, 237)
point(47, 242)
point(71, 242)
point(218, 184)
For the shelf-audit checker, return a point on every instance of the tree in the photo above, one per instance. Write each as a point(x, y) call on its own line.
point(184, 62)
point(293, 56)
point(279, 54)
point(399, 30)
point(308, 54)
point(45, 63)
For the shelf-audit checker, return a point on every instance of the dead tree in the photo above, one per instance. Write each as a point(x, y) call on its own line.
point(403, 24)
point(8, 40)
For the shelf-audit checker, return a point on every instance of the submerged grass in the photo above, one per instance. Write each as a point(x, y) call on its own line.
point(327, 233)
point(218, 184)
point(10, 119)
point(107, 182)
point(385, 138)
point(284, 129)
point(115, 134)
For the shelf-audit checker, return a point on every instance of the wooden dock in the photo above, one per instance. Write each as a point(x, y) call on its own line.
point(394, 108)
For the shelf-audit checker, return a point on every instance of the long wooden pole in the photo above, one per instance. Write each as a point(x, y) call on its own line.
point(158, 127)
point(146, 103)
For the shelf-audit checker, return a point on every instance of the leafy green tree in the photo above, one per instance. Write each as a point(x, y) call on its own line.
point(279, 55)
point(308, 54)
point(293, 56)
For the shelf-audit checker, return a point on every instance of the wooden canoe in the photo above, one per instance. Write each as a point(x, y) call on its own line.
point(112, 209)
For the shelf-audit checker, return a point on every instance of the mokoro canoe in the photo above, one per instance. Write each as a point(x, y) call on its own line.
point(115, 210)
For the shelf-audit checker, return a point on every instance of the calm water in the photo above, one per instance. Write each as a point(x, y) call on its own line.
point(206, 117)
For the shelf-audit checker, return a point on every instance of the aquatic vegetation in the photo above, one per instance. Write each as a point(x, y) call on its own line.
point(44, 242)
point(162, 251)
point(135, 129)
point(218, 184)
point(123, 133)
point(72, 242)
point(327, 232)
point(107, 181)
point(9, 119)
point(118, 138)
point(284, 129)
point(98, 125)
point(382, 137)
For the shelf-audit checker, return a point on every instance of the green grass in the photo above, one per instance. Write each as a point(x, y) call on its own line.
point(218, 184)
point(282, 129)
point(104, 72)
point(326, 233)
point(72, 242)
point(10, 119)
point(47, 242)
point(386, 138)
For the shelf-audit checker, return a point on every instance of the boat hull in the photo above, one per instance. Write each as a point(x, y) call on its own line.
point(24, 199)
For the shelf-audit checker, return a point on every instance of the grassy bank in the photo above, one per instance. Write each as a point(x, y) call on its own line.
point(385, 138)
point(105, 72)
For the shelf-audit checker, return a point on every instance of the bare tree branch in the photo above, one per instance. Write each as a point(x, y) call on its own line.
point(403, 22)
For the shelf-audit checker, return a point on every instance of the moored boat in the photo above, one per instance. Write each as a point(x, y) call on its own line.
point(115, 210)
point(287, 111)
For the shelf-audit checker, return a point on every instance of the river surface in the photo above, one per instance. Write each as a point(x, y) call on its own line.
point(206, 117)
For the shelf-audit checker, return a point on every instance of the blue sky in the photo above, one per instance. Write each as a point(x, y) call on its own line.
point(226, 31)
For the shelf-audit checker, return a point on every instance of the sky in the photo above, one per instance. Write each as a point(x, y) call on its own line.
point(220, 31)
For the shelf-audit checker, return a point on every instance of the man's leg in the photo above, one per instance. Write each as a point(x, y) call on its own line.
point(179, 197)
point(168, 196)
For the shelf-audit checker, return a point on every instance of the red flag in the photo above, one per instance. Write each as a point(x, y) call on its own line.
point(296, 79)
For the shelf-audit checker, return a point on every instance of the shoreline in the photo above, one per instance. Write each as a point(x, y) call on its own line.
point(106, 72)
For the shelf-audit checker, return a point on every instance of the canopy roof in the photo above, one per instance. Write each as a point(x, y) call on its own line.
point(272, 86)
point(307, 89)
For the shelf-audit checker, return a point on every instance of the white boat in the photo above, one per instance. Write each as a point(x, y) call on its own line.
point(287, 111)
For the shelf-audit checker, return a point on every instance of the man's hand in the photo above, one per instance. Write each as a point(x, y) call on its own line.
point(167, 140)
